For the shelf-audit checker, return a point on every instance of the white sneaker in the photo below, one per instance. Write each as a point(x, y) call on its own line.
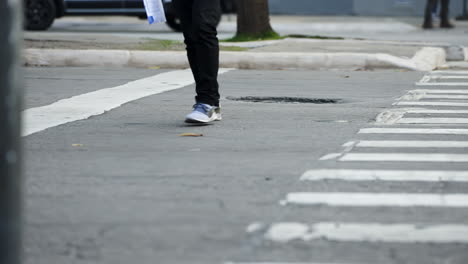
point(203, 113)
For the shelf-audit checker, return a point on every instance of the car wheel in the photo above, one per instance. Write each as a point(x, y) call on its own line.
point(39, 14)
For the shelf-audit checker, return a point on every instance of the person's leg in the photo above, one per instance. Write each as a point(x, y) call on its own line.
point(205, 17)
point(435, 11)
point(199, 19)
point(428, 13)
point(444, 14)
point(184, 10)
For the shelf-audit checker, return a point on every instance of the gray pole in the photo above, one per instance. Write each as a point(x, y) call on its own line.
point(10, 94)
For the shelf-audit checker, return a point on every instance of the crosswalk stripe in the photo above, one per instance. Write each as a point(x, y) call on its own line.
point(420, 103)
point(409, 144)
point(428, 91)
point(368, 232)
point(442, 84)
point(405, 157)
point(432, 120)
point(378, 199)
point(445, 77)
point(447, 72)
point(435, 111)
point(282, 263)
point(445, 96)
point(385, 175)
point(430, 131)
point(426, 80)
point(98, 102)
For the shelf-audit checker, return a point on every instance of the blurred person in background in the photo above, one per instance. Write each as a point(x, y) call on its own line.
point(435, 12)
point(199, 19)
point(444, 14)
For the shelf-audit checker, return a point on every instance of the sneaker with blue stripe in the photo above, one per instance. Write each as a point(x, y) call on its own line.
point(203, 113)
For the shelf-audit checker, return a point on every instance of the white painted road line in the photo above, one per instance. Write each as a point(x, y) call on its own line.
point(432, 120)
point(447, 77)
point(385, 175)
point(395, 116)
point(417, 95)
point(331, 156)
point(419, 103)
point(427, 91)
point(442, 84)
point(368, 232)
point(448, 72)
point(98, 102)
point(410, 144)
point(405, 157)
point(282, 263)
point(430, 131)
point(378, 199)
point(445, 96)
point(425, 79)
point(430, 111)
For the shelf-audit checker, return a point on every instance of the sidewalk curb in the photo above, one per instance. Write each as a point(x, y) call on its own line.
point(425, 59)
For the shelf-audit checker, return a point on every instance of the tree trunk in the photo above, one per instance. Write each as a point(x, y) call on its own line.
point(253, 19)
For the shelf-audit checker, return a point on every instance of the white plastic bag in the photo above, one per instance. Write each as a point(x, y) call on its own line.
point(155, 11)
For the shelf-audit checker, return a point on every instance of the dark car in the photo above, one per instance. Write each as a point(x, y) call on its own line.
point(40, 14)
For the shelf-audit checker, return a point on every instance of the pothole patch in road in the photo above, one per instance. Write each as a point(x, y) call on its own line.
point(294, 100)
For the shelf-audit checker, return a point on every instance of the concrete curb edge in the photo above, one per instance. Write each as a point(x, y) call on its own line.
point(425, 59)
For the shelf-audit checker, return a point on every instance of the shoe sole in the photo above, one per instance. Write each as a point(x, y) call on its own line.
point(196, 121)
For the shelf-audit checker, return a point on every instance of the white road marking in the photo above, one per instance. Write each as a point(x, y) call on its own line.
point(285, 232)
point(416, 95)
point(378, 199)
point(430, 131)
point(432, 120)
point(282, 263)
point(395, 116)
point(440, 91)
point(255, 227)
point(454, 104)
point(446, 77)
point(410, 144)
point(390, 117)
point(448, 72)
point(98, 102)
point(442, 84)
point(445, 96)
point(369, 232)
point(331, 156)
point(425, 79)
point(431, 111)
point(405, 157)
point(350, 144)
point(385, 175)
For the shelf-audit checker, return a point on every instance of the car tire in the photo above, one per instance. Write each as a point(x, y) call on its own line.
point(39, 14)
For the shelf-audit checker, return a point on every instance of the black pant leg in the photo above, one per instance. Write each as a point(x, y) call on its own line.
point(444, 11)
point(199, 20)
point(205, 17)
point(430, 5)
point(184, 9)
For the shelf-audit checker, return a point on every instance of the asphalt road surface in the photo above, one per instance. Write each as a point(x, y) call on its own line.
point(377, 175)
